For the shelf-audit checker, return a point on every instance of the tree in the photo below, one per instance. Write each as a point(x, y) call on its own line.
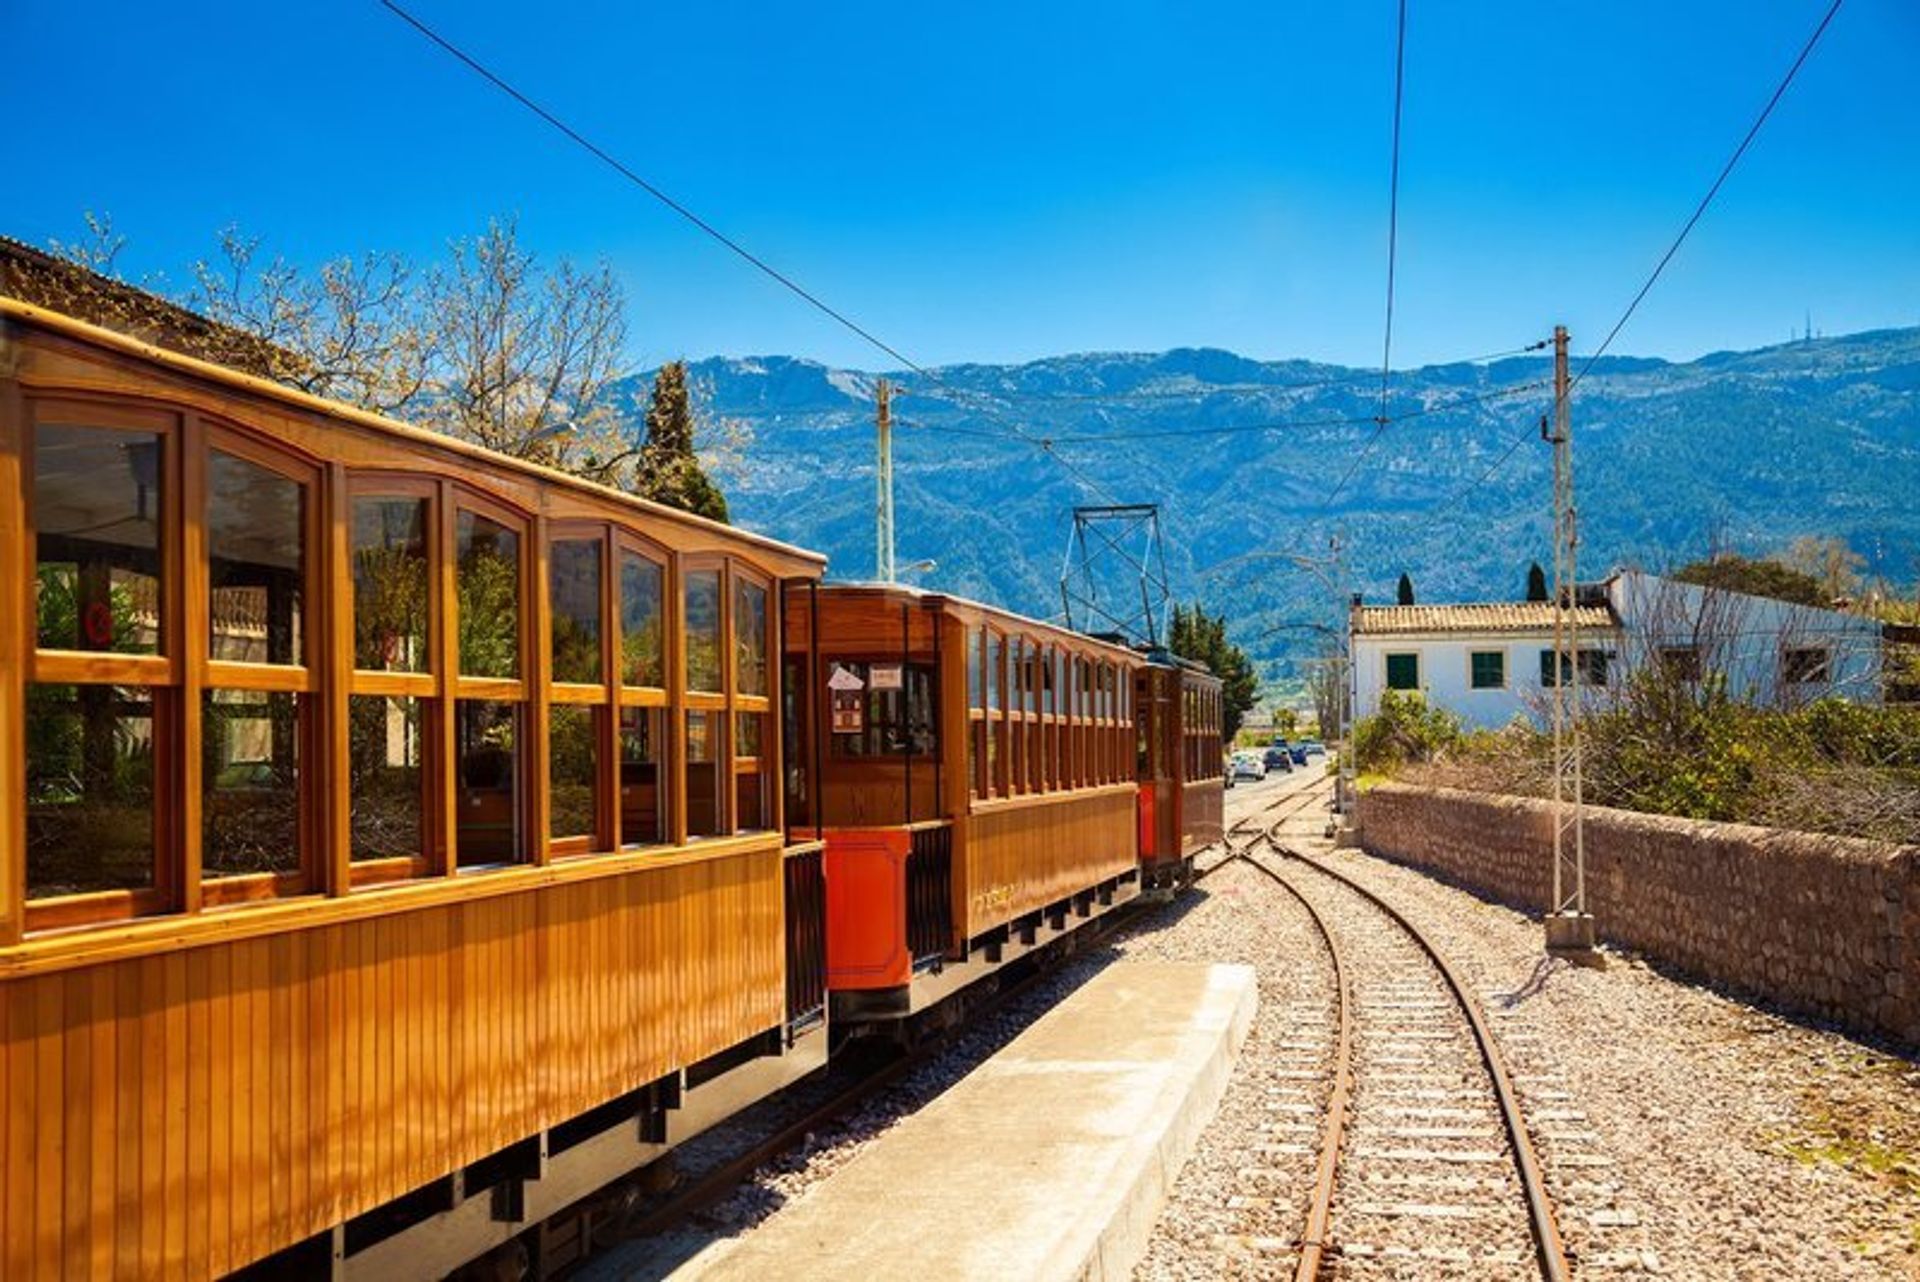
point(1828, 561)
point(1197, 635)
point(1405, 590)
point(1731, 572)
point(1536, 583)
point(668, 470)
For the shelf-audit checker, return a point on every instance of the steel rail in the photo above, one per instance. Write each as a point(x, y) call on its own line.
point(1550, 1251)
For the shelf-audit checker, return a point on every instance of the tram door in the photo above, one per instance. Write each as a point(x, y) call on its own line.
point(1156, 727)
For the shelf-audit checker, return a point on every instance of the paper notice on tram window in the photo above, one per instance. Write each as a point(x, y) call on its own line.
point(849, 712)
point(845, 679)
point(884, 676)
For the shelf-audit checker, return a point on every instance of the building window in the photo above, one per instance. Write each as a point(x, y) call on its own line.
point(1806, 665)
point(1488, 669)
point(1595, 668)
point(1681, 662)
point(1403, 672)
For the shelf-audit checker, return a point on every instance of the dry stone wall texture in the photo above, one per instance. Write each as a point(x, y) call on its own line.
point(1825, 926)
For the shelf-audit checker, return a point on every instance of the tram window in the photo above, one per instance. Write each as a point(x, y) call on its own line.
point(573, 770)
point(250, 783)
point(895, 720)
point(488, 823)
point(643, 777)
point(749, 638)
point(642, 633)
point(752, 808)
point(390, 584)
point(98, 498)
point(703, 631)
point(703, 774)
point(573, 581)
point(487, 555)
point(90, 818)
point(256, 561)
point(976, 668)
point(385, 780)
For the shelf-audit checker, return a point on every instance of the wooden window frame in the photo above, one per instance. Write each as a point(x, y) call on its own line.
point(738, 703)
point(601, 698)
point(528, 690)
point(163, 673)
point(431, 687)
point(663, 696)
point(206, 674)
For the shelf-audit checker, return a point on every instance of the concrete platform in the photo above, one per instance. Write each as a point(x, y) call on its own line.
point(1049, 1161)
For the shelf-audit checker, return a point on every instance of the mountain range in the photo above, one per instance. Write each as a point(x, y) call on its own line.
point(1256, 463)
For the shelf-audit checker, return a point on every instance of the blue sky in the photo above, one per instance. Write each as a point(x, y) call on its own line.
point(1004, 181)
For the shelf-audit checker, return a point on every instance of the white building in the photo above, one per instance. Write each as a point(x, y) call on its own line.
point(1488, 662)
point(1491, 662)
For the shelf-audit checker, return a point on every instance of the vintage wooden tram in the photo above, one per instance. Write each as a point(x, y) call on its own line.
point(399, 842)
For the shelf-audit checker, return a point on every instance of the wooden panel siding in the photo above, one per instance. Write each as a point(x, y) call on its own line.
point(1013, 857)
point(184, 1112)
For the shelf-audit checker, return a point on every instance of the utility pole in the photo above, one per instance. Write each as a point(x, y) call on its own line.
point(1569, 926)
point(883, 485)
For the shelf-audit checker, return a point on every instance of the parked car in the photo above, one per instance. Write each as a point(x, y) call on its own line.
point(1276, 759)
point(1248, 766)
point(1314, 747)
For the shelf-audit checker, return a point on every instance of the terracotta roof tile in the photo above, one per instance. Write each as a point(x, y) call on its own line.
point(1493, 616)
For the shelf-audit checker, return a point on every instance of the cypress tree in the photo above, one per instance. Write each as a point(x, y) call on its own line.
point(1406, 590)
point(669, 472)
point(1536, 583)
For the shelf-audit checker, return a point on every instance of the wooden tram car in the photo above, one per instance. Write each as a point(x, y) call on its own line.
point(399, 842)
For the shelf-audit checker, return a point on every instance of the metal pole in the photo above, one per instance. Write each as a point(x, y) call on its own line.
point(1569, 926)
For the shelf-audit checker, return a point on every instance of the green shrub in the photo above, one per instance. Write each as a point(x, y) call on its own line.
point(1406, 729)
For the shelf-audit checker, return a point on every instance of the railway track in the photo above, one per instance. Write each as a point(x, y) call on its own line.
point(1423, 1164)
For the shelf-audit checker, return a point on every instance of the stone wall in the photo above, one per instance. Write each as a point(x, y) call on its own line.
point(1825, 926)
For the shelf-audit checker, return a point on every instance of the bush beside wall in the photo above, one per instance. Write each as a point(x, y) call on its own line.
point(1825, 926)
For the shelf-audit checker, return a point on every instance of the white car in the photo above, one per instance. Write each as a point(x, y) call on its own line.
point(1247, 765)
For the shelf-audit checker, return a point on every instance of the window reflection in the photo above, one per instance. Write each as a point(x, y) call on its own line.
point(703, 774)
point(643, 776)
point(573, 573)
point(573, 771)
point(96, 513)
point(385, 761)
point(488, 558)
point(250, 783)
point(488, 804)
point(256, 561)
point(642, 633)
point(750, 638)
point(390, 584)
point(703, 630)
point(89, 789)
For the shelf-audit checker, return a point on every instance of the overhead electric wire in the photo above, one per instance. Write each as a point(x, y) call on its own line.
point(491, 77)
point(1718, 182)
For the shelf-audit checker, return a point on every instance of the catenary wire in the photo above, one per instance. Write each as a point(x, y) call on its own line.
point(1706, 200)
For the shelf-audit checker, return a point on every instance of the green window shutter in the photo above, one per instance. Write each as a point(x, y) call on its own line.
point(1546, 669)
point(1403, 672)
point(1489, 669)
